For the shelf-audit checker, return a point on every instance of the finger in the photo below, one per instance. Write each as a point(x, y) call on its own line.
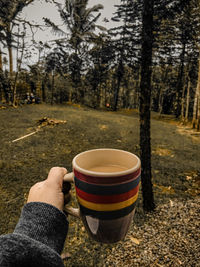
point(67, 198)
point(66, 187)
point(56, 175)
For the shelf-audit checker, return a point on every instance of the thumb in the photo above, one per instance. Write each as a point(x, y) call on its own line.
point(56, 176)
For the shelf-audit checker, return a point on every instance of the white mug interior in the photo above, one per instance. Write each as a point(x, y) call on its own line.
point(84, 161)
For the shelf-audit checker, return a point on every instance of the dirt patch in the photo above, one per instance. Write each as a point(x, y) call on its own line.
point(103, 127)
point(192, 133)
point(163, 152)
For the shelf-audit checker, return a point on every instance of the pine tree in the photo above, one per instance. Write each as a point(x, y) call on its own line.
point(101, 56)
point(126, 40)
point(145, 104)
point(175, 32)
point(137, 30)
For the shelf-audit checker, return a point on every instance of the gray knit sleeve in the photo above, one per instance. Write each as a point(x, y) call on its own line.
point(38, 238)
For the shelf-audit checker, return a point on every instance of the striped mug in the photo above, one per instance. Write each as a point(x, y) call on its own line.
point(107, 183)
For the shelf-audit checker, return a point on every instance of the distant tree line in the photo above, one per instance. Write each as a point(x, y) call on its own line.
point(94, 66)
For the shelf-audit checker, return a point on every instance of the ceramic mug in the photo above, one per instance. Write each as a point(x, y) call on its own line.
point(107, 183)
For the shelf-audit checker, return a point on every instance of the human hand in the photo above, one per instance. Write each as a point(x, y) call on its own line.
point(50, 190)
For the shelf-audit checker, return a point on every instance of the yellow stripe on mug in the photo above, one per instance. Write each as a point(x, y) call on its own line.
point(107, 207)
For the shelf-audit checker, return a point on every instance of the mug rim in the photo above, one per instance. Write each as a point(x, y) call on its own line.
point(106, 174)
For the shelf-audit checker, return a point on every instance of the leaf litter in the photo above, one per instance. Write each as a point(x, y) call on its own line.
point(170, 237)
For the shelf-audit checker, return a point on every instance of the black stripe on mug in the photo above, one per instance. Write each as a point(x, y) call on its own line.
point(107, 215)
point(108, 189)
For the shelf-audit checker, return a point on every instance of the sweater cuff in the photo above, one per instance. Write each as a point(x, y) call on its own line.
point(44, 223)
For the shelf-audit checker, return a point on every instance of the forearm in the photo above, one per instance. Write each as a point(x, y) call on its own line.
point(38, 238)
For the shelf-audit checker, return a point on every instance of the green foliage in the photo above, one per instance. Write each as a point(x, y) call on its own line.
point(72, 52)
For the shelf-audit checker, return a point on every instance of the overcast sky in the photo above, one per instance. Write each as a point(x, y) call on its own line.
point(38, 10)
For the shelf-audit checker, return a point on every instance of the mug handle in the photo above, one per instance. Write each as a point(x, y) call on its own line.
point(69, 177)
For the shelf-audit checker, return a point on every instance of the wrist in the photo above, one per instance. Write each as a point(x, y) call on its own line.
point(44, 223)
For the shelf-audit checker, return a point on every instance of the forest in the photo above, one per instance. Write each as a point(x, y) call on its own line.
point(134, 86)
point(99, 67)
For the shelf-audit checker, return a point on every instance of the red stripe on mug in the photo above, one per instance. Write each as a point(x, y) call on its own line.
point(107, 199)
point(107, 180)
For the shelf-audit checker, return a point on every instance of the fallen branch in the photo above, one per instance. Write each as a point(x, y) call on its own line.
point(41, 123)
point(27, 135)
point(48, 122)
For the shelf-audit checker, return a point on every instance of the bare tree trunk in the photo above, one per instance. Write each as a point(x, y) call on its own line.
point(187, 100)
point(183, 105)
point(1, 71)
point(160, 103)
point(120, 72)
point(52, 87)
point(116, 94)
point(198, 106)
point(137, 91)
point(10, 55)
point(105, 95)
point(10, 51)
point(198, 115)
point(196, 112)
point(180, 81)
point(145, 103)
point(43, 91)
point(19, 63)
point(161, 94)
point(70, 95)
point(101, 102)
point(1, 62)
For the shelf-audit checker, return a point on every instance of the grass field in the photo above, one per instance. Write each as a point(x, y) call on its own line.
point(175, 159)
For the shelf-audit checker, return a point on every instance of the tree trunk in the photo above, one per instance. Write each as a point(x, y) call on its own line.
point(9, 44)
point(145, 102)
point(195, 110)
point(183, 104)
point(160, 102)
point(10, 53)
point(198, 101)
point(70, 95)
point(187, 100)
point(97, 87)
point(119, 78)
point(198, 111)
point(52, 87)
point(116, 94)
point(180, 82)
point(105, 95)
point(196, 107)
point(43, 92)
point(162, 90)
point(1, 72)
point(1, 62)
point(19, 63)
point(101, 102)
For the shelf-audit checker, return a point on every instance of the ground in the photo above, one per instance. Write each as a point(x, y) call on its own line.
point(175, 169)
